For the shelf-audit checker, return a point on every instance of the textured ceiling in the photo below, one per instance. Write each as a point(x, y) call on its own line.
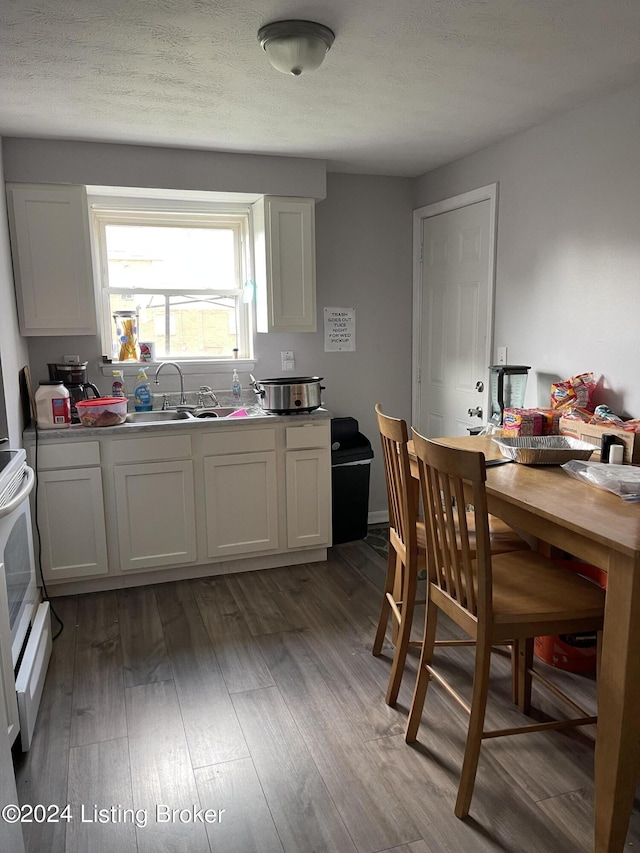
point(408, 85)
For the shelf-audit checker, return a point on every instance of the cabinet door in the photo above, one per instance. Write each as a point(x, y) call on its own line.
point(241, 503)
point(52, 259)
point(156, 514)
point(71, 523)
point(308, 484)
point(285, 264)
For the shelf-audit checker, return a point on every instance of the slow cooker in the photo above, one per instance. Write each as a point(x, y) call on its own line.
point(282, 396)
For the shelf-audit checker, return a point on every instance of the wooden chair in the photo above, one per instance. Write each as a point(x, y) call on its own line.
point(407, 547)
point(515, 596)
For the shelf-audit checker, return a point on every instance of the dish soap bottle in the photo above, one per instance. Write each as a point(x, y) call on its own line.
point(236, 388)
point(118, 389)
point(142, 394)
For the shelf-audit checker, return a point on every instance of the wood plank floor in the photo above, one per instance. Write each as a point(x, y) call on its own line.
point(256, 697)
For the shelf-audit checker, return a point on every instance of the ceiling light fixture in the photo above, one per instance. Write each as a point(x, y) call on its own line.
point(295, 46)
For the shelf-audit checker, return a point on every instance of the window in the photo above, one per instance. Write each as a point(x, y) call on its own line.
point(177, 272)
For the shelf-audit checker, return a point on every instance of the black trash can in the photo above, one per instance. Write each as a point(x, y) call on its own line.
point(351, 456)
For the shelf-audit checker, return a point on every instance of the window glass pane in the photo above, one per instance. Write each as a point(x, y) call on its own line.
point(198, 327)
point(158, 256)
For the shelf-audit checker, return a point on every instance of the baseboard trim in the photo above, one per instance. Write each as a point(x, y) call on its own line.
point(378, 517)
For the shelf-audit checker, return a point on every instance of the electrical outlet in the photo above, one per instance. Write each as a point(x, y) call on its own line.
point(288, 361)
point(502, 355)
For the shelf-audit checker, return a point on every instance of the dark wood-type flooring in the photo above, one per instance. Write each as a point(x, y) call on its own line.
point(257, 694)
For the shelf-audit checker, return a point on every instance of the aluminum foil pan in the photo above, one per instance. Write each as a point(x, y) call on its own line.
point(544, 449)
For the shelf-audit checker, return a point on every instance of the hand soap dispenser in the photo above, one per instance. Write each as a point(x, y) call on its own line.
point(236, 388)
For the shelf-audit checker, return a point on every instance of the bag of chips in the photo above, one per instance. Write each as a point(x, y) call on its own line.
point(576, 391)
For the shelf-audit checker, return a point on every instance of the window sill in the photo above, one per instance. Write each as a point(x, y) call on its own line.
point(131, 368)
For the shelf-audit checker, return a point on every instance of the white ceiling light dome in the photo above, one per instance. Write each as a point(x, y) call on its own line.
point(295, 46)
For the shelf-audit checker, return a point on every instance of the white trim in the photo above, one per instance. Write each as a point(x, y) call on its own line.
point(202, 368)
point(490, 194)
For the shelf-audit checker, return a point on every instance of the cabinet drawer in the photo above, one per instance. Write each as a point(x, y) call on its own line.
point(309, 435)
point(75, 454)
point(151, 449)
point(238, 441)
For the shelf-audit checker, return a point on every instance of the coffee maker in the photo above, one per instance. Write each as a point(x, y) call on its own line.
point(74, 378)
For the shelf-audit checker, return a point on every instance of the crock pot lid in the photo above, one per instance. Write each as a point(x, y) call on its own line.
point(290, 380)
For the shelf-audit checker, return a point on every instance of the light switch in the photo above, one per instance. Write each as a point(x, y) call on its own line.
point(502, 355)
point(288, 361)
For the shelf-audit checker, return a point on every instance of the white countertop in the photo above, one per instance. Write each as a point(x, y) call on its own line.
point(255, 416)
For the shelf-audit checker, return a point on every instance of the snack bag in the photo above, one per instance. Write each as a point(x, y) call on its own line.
point(576, 391)
point(562, 394)
point(584, 385)
point(521, 422)
point(550, 421)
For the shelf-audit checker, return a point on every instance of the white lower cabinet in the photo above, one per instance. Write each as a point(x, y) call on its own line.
point(155, 509)
point(180, 497)
point(308, 489)
point(241, 503)
point(71, 523)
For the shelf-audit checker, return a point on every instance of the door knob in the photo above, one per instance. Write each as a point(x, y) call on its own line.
point(476, 412)
point(480, 386)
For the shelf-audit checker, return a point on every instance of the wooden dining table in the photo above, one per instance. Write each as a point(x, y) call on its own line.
point(602, 529)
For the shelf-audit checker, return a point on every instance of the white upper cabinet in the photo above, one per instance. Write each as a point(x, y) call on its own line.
point(51, 251)
point(285, 257)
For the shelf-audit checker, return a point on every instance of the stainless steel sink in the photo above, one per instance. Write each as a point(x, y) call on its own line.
point(155, 417)
point(217, 412)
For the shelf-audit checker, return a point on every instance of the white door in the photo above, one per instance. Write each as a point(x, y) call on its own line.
point(454, 313)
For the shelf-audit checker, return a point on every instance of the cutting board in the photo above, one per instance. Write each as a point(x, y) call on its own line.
point(27, 400)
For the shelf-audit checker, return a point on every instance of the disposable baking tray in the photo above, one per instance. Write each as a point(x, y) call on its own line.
point(544, 449)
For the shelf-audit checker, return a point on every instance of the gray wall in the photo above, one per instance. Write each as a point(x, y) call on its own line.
point(13, 348)
point(568, 259)
point(60, 161)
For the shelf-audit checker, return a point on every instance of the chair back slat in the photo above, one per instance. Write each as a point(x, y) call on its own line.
point(461, 571)
point(400, 492)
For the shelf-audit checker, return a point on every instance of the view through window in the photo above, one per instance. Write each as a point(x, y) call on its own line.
point(177, 277)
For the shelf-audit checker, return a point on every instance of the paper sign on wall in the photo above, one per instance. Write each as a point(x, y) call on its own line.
point(339, 329)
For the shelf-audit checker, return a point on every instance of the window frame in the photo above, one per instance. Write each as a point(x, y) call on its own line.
point(126, 210)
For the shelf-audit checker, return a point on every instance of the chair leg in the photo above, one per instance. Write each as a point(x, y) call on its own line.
point(385, 608)
point(422, 681)
point(525, 662)
point(408, 597)
point(476, 725)
point(514, 671)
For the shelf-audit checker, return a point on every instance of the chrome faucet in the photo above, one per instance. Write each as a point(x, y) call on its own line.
point(205, 389)
point(183, 399)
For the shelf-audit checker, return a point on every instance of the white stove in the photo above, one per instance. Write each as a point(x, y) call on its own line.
point(25, 627)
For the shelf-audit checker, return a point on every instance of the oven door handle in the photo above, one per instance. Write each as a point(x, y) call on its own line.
point(23, 492)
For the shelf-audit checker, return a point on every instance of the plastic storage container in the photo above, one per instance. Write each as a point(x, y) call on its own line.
point(53, 405)
point(102, 412)
point(572, 652)
point(351, 456)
